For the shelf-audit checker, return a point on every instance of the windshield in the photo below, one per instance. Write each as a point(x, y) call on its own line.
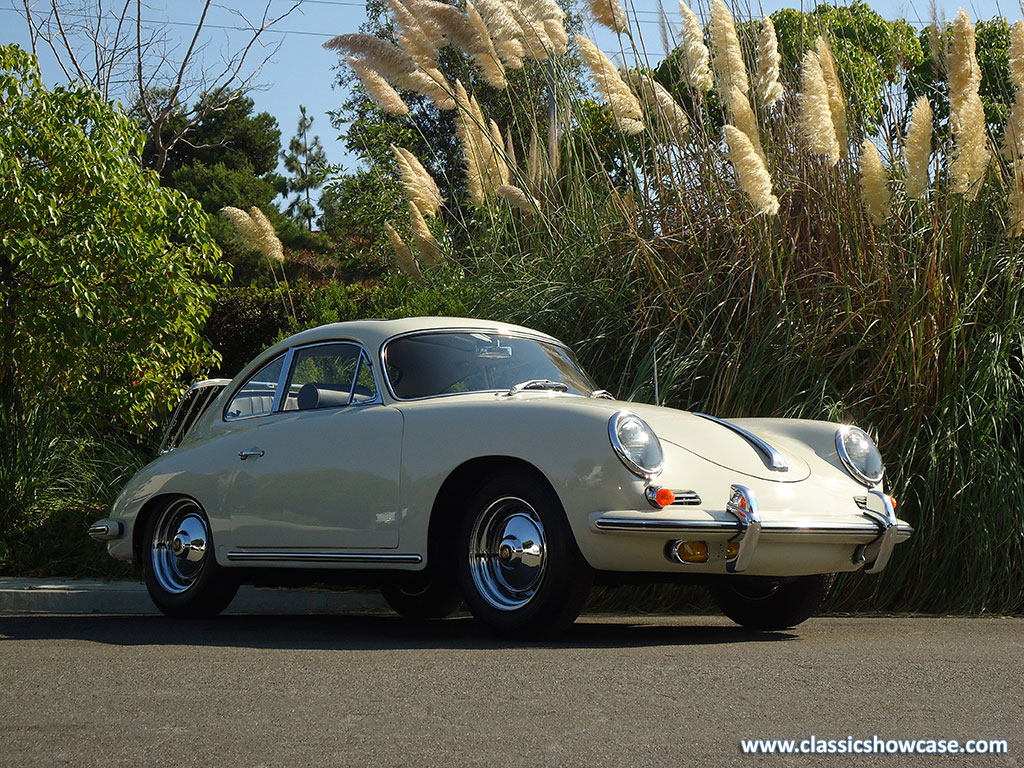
point(448, 362)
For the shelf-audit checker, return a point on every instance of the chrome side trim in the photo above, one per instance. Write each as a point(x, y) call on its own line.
point(744, 508)
point(686, 498)
point(890, 528)
point(324, 557)
point(776, 461)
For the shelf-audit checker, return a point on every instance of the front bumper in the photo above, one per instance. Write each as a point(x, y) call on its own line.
point(767, 545)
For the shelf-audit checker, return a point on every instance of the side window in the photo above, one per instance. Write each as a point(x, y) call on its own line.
point(329, 376)
point(256, 397)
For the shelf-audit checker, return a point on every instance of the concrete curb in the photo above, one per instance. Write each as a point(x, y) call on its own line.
point(20, 595)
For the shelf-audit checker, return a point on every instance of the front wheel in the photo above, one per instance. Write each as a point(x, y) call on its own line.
point(765, 604)
point(182, 575)
point(519, 567)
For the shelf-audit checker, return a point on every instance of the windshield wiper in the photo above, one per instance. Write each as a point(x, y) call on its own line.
point(557, 386)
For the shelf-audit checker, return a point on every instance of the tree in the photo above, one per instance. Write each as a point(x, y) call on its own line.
point(306, 161)
point(122, 56)
point(105, 276)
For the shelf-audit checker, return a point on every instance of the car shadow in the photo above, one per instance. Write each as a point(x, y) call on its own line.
point(368, 632)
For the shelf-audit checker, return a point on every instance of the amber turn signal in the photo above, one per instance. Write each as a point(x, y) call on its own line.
point(732, 549)
point(664, 497)
point(689, 552)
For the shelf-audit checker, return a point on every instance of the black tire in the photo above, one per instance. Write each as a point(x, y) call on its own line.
point(515, 587)
point(427, 599)
point(766, 604)
point(186, 583)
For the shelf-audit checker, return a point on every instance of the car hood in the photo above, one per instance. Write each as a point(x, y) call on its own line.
point(717, 443)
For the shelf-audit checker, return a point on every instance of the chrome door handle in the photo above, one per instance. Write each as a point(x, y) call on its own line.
point(243, 455)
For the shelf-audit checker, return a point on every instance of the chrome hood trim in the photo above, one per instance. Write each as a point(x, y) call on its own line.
point(776, 461)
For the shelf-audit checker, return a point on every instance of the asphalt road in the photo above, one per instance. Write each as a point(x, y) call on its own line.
point(379, 691)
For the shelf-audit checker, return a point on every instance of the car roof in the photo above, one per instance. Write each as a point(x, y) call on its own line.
point(373, 333)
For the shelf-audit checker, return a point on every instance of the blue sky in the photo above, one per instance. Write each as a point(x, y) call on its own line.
point(301, 71)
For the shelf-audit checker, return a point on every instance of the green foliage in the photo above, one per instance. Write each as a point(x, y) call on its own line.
point(232, 136)
point(56, 477)
point(306, 161)
point(105, 276)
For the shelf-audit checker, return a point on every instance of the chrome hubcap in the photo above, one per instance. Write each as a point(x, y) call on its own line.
point(178, 549)
point(508, 553)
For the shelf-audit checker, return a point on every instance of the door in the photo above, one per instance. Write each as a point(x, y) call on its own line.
point(321, 472)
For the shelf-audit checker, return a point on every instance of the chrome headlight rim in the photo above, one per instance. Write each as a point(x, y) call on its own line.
point(647, 473)
point(856, 472)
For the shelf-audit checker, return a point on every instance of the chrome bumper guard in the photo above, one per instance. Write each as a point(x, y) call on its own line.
point(105, 530)
point(880, 533)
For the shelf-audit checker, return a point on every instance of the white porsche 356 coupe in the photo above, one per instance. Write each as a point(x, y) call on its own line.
point(448, 459)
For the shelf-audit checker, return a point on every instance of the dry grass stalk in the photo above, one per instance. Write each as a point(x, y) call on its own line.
point(967, 114)
point(534, 165)
point(244, 226)
point(510, 151)
point(753, 177)
point(918, 148)
point(816, 127)
point(556, 33)
point(726, 55)
point(610, 13)
point(1017, 54)
point(696, 57)
point(874, 187)
point(1015, 201)
point(454, 25)
point(625, 107)
point(428, 27)
point(468, 131)
point(743, 118)
point(377, 88)
point(425, 241)
point(767, 87)
point(517, 198)
point(836, 102)
point(403, 253)
point(498, 169)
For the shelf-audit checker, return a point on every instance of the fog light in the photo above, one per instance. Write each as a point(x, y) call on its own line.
point(732, 549)
point(689, 552)
point(659, 497)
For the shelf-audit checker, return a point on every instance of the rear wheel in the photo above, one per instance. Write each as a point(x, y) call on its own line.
point(765, 604)
point(182, 575)
point(519, 567)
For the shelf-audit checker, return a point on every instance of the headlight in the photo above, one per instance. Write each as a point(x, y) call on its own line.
point(859, 454)
point(636, 444)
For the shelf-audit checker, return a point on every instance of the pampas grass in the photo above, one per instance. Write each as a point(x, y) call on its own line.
point(917, 149)
point(487, 59)
point(377, 88)
point(420, 187)
point(726, 56)
point(404, 257)
point(505, 32)
point(425, 241)
point(836, 102)
point(610, 13)
point(967, 114)
point(767, 87)
point(658, 102)
point(751, 172)
point(874, 184)
point(624, 105)
point(817, 130)
point(517, 198)
point(743, 118)
point(696, 57)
